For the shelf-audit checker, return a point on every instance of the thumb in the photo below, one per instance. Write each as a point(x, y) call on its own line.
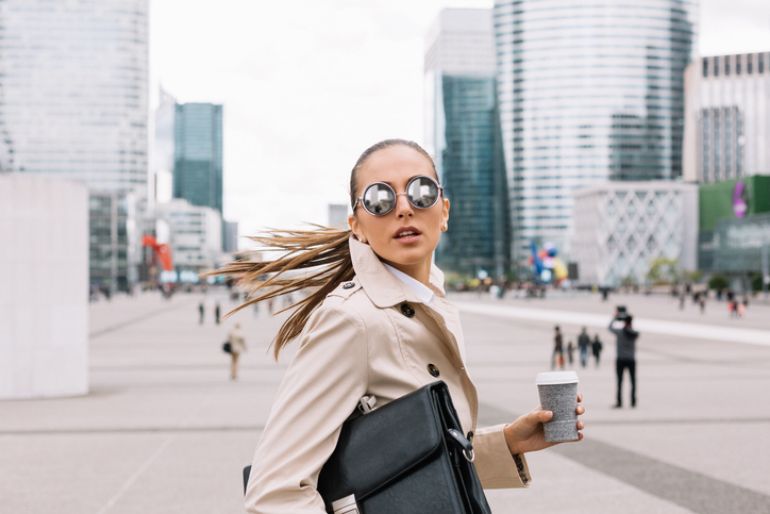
point(541, 416)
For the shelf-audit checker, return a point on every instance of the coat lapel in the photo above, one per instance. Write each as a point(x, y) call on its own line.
point(385, 290)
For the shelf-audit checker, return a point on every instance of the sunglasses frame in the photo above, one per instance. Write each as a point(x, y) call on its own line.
point(360, 199)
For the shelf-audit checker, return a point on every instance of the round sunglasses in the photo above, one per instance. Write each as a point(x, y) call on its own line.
point(380, 198)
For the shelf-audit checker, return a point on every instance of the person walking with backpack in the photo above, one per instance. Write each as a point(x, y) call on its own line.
point(237, 347)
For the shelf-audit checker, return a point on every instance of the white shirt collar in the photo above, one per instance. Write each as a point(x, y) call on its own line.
point(422, 291)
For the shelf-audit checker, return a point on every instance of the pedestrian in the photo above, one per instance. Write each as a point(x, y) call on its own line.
point(625, 359)
point(596, 348)
point(217, 312)
point(201, 313)
point(237, 347)
point(740, 307)
point(682, 299)
point(571, 353)
point(377, 323)
point(557, 356)
point(584, 341)
point(702, 302)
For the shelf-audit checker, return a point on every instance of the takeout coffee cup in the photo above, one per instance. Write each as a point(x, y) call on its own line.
point(558, 393)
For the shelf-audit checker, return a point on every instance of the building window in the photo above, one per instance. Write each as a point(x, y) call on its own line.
point(705, 67)
point(738, 59)
point(760, 63)
point(750, 63)
point(727, 66)
point(716, 66)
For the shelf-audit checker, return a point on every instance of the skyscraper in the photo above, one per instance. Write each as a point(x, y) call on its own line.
point(587, 92)
point(198, 154)
point(728, 117)
point(73, 91)
point(162, 149)
point(461, 126)
point(73, 105)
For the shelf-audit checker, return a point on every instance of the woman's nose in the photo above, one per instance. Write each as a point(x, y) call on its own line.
point(403, 207)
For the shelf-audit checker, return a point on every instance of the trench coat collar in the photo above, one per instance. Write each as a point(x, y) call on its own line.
point(384, 289)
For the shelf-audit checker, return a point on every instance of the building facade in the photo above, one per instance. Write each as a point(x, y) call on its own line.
point(73, 91)
point(337, 216)
point(230, 236)
point(728, 117)
point(115, 251)
point(461, 134)
point(734, 225)
point(162, 149)
point(198, 154)
point(621, 227)
point(194, 234)
point(603, 100)
point(73, 105)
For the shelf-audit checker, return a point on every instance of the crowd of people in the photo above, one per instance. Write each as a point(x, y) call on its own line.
point(584, 345)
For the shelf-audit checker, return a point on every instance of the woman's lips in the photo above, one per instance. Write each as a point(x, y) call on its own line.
point(409, 239)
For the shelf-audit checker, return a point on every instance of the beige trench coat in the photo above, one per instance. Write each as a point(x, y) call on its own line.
point(370, 336)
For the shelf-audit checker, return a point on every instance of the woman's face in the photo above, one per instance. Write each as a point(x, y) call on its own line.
point(396, 165)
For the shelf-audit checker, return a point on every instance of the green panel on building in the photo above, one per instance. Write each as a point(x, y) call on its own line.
point(716, 200)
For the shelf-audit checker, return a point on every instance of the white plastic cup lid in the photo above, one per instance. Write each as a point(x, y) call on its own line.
point(556, 377)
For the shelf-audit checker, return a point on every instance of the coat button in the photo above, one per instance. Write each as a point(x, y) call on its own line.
point(407, 310)
point(348, 285)
point(433, 370)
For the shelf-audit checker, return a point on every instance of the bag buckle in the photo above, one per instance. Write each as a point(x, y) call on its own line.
point(346, 505)
point(366, 404)
point(464, 443)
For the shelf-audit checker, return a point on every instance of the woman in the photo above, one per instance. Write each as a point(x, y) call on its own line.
point(237, 347)
point(378, 324)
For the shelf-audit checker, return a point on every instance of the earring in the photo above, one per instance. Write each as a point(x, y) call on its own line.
point(444, 227)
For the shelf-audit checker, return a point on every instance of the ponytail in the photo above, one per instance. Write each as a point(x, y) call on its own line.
point(324, 253)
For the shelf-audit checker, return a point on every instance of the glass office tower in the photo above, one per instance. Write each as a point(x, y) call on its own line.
point(73, 90)
point(587, 92)
point(73, 105)
point(461, 126)
point(198, 154)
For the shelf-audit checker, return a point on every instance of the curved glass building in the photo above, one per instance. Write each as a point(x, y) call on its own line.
point(588, 91)
point(73, 91)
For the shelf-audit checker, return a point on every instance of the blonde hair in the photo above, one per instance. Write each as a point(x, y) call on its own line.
point(324, 252)
point(324, 248)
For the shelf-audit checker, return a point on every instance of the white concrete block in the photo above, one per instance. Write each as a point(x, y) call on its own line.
point(43, 287)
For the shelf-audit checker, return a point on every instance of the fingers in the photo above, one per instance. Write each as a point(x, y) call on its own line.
point(580, 425)
point(580, 410)
point(580, 397)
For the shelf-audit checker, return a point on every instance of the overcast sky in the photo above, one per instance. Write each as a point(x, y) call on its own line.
point(308, 84)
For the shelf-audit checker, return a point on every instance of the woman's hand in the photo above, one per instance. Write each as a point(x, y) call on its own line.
point(526, 433)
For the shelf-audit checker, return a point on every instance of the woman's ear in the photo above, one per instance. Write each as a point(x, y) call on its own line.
point(445, 212)
point(355, 228)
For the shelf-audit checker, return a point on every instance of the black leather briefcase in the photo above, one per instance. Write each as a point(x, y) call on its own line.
point(407, 457)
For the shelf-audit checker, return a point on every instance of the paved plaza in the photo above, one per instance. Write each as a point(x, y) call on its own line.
point(164, 430)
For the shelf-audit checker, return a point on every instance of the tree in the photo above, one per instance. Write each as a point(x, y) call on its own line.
point(718, 282)
point(663, 271)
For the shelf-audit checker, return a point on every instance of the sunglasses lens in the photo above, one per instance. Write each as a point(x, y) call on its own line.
point(379, 199)
point(422, 192)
